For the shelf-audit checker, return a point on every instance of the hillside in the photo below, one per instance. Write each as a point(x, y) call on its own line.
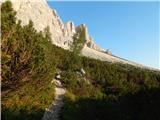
point(62, 33)
point(37, 74)
point(112, 58)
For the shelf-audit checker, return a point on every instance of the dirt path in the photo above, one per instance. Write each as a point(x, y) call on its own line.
point(52, 113)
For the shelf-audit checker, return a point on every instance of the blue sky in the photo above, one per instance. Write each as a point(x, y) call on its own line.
point(128, 29)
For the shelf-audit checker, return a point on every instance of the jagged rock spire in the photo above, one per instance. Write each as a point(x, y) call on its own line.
point(42, 16)
point(89, 40)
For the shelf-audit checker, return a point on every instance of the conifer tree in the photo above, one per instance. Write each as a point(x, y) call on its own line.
point(79, 40)
point(26, 53)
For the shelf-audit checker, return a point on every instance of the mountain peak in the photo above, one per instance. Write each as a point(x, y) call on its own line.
point(42, 16)
point(89, 40)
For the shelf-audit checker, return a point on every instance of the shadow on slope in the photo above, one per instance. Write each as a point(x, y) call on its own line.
point(23, 114)
point(143, 105)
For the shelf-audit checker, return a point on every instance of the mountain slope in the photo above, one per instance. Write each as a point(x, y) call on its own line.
point(61, 33)
point(94, 89)
point(111, 58)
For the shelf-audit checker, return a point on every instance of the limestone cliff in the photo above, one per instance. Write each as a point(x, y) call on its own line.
point(89, 41)
point(42, 16)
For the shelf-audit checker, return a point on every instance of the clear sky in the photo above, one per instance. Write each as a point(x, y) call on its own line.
point(129, 29)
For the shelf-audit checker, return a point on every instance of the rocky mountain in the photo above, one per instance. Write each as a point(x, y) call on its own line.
point(42, 16)
point(89, 40)
point(61, 33)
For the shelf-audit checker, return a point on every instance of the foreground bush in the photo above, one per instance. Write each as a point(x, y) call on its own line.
point(28, 66)
point(26, 53)
point(142, 105)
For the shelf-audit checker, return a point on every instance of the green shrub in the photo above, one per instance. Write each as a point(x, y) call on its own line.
point(26, 53)
point(28, 66)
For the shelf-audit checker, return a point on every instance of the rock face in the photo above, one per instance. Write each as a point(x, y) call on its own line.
point(89, 41)
point(42, 16)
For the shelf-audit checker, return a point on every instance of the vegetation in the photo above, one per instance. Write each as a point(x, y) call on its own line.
point(121, 92)
point(106, 92)
point(26, 53)
point(28, 102)
point(143, 105)
point(79, 40)
point(28, 65)
point(73, 61)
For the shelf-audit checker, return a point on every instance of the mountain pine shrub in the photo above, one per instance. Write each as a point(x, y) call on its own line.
point(26, 53)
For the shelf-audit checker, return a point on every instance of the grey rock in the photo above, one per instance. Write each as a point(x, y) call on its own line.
point(82, 71)
point(42, 16)
point(58, 76)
